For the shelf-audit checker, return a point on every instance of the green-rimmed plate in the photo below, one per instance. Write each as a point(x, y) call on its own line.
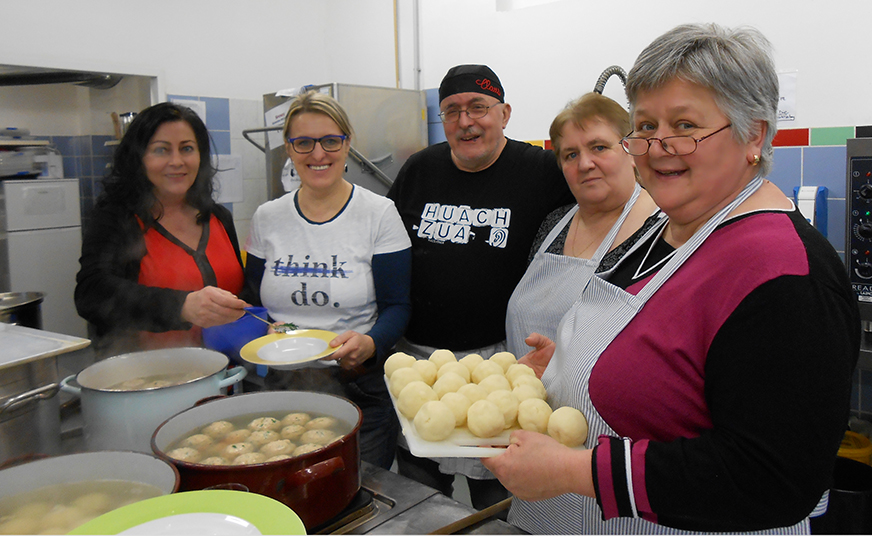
point(268, 515)
point(289, 349)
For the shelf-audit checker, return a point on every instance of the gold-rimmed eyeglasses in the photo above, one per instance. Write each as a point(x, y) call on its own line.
point(674, 145)
point(476, 111)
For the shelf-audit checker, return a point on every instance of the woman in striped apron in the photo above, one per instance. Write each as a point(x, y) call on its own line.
point(610, 214)
point(714, 361)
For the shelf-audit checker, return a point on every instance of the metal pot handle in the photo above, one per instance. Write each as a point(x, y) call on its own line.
point(71, 389)
point(315, 471)
point(234, 375)
point(40, 393)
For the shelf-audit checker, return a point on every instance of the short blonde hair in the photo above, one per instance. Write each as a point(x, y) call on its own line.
point(318, 103)
point(590, 106)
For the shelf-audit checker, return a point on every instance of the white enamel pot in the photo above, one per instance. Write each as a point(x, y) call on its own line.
point(126, 420)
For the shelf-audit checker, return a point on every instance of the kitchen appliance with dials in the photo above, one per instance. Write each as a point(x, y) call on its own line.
point(858, 243)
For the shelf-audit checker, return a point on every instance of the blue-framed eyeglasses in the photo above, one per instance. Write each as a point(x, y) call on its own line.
point(305, 145)
point(674, 145)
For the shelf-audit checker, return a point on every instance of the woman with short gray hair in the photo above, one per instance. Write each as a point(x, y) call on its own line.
point(714, 362)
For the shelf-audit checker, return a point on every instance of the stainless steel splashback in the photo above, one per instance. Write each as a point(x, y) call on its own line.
point(389, 126)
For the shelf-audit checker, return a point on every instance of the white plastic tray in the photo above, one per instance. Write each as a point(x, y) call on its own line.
point(460, 444)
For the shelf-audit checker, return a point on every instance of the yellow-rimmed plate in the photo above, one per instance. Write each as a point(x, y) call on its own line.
point(291, 349)
point(266, 515)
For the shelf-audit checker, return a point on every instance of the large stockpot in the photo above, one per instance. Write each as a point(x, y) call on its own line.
point(125, 420)
point(29, 410)
point(317, 486)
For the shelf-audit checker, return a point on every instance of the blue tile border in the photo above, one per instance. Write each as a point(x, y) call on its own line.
point(825, 166)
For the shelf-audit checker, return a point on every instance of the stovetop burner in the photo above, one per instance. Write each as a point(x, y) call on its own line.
point(361, 509)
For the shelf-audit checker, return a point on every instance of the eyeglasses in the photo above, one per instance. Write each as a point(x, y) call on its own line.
point(674, 145)
point(476, 111)
point(305, 145)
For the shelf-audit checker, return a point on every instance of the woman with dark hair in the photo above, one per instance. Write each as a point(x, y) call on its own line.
point(160, 259)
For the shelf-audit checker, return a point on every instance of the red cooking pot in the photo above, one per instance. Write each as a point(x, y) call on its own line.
point(317, 485)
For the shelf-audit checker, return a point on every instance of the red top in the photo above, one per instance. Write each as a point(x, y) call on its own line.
point(169, 263)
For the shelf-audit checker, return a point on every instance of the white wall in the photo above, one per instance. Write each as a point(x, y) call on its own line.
point(545, 55)
point(548, 54)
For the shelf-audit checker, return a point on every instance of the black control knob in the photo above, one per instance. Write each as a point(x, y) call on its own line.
point(865, 191)
point(864, 270)
point(864, 230)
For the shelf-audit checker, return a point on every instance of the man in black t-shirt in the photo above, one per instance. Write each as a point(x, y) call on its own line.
point(472, 206)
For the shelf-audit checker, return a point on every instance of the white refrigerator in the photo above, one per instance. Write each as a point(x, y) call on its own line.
point(40, 245)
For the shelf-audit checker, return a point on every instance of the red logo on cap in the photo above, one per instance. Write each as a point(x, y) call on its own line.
point(486, 85)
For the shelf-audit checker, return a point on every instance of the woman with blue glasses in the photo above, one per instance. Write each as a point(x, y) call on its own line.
point(333, 256)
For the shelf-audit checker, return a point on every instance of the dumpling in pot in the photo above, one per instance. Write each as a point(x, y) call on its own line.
point(249, 458)
point(278, 458)
point(215, 460)
point(274, 448)
point(184, 454)
point(321, 422)
point(292, 431)
point(265, 423)
point(236, 449)
point(218, 429)
point(308, 447)
point(197, 441)
point(262, 437)
point(296, 418)
point(236, 436)
point(318, 436)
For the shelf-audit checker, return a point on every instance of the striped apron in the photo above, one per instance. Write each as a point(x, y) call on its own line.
point(534, 306)
point(584, 332)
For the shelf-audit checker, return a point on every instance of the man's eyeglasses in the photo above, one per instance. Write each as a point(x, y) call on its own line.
point(674, 145)
point(476, 111)
point(304, 145)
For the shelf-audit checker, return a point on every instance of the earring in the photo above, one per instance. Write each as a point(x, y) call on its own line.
point(293, 172)
point(756, 160)
point(346, 168)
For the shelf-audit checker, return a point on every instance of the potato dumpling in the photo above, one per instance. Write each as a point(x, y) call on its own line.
point(523, 392)
point(218, 429)
point(504, 359)
point(215, 460)
point(508, 404)
point(262, 437)
point(67, 517)
point(441, 357)
point(448, 383)
point(471, 361)
point(427, 369)
point(236, 436)
point(401, 378)
point(434, 421)
point(296, 418)
point(495, 382)
point(484, 419)
point(197, 441)
point(533, 415)
point(249, 458)
point(319, 436)
point(568, 426)
point(184, 454)
point(459, 404)
point(308, 447)
point(413, 396)
point(235, 449)
point(281, 446)
point(485, 369)
point(32, 509)
point(278, 458)
point(265, 423)
point(292, 431)
point(321, 423)
point(533, 382)
point(473, 391)
point(396, 361)
point(22, 525)
point(93, 503)
point(518, 369)
point(456, 368)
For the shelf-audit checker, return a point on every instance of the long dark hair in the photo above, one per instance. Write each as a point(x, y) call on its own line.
point(128, 186)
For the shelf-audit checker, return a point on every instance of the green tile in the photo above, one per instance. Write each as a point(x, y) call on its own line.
point(831, 135)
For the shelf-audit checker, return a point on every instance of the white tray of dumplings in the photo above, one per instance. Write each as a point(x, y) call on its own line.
point(414, 383)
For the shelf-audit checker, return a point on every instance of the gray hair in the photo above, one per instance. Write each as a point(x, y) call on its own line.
point(735, 64)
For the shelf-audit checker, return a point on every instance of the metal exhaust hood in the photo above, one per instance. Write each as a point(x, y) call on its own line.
point(23, 76)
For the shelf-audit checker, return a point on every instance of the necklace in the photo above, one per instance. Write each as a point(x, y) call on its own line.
point(639, 273)
point(573, 251)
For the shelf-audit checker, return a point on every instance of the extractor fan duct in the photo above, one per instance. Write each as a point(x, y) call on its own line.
point(93, 80)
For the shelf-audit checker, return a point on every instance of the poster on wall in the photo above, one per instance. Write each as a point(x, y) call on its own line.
point(787, 99)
